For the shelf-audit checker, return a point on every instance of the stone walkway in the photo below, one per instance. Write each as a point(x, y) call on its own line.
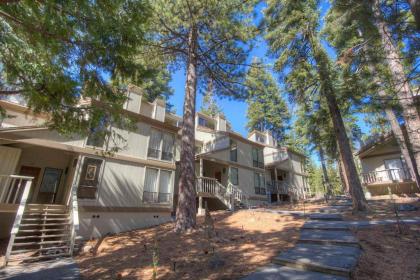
point(327, 249)
point(62, 269)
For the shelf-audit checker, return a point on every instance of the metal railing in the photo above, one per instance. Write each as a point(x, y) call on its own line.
point(156, 197)
point(386, 175)
point(278, 187)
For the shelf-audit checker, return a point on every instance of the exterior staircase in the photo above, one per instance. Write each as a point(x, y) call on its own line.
point(45, 232)
point(232, 197)
point(40, 231)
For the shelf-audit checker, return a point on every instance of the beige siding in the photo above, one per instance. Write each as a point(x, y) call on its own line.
point(114, 222)
point(9, 160)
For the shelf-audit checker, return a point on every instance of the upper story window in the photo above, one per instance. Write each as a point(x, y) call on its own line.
point(233, 151)
point(205, 122)
point(234, 176)
point(259, 183)
point(97, 135)
point(161, 145)
point(260, 138)
point(257, 158)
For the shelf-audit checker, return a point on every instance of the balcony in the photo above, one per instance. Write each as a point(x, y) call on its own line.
point(215, 145)
point(386, 176)
point(275, 157)
point(279, 187)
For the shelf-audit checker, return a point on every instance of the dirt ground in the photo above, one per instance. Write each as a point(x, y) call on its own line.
point(389, 255)
point(383, 207)
point(245, 240)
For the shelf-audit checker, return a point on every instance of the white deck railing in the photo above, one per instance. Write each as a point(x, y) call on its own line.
point(279, 187)
point(386, 175)
point(12, 188)
point(15, 190)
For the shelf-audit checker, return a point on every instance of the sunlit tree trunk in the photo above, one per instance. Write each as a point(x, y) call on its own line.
point(401, 84)
point(325, 171)
point(327, 90)
point(186, 210)
point(343, 177)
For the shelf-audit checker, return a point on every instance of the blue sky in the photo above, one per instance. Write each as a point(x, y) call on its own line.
point(235, 111)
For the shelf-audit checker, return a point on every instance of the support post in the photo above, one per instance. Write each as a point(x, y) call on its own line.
point(201, 167)
point(200, 206)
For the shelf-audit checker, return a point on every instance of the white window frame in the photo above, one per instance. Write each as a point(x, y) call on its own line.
point(161, 145)
point(171, 185)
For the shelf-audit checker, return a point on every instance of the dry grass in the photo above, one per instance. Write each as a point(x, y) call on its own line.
point(245, 241)
point(388, 255)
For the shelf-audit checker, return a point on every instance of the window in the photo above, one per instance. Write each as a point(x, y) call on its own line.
point(89, 178)
point(206, 123)
point(257, 158)
point(96, 136)
point(157, 186)
point(260, 138)
point(234, 176)
point(202, 121)
point(259, 183)
point(233, 152)
point(161, 145)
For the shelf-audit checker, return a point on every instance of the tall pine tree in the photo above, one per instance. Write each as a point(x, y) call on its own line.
point(209, 40)
point(294, 39)
point(266, 108)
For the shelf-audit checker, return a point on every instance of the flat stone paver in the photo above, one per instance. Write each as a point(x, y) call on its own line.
point(327, 225)
point(333, 236)
point(325, 258)
point(343, 225)
point(277, 272)
point(326, 216)
point(62, 269)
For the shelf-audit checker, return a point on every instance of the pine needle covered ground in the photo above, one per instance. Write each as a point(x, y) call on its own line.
point(243, 241)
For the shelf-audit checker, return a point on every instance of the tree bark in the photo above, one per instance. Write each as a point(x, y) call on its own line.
point(401, 84)
point(324, 171)
point(343, 177)
point(186, 210)
point(358, 198)
point(415, 10)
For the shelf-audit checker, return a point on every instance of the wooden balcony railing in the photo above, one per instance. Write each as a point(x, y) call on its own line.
point(386, 175)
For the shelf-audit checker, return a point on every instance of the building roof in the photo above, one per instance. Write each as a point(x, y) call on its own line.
point(373, 142)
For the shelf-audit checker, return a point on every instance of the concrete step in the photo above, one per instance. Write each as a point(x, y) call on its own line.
point(330, 259)
point(278, 272)
point(328, 237)
point(326, 216)
point(326, 225)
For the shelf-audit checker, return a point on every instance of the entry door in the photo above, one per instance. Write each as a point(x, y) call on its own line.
point(218, 176)
point(31, 172)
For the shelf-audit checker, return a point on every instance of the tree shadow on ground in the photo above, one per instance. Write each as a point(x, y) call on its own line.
point(244, 241)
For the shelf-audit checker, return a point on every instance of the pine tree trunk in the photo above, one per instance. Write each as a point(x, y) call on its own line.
point(324, 170)
point(343, 177)
point(186, 210)
point(401, 84)
point(415, 10)
point(327, 89)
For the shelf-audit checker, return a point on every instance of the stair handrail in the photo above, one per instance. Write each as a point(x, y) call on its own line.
point(213, 187)
point(19, 214)
point(74, 216)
